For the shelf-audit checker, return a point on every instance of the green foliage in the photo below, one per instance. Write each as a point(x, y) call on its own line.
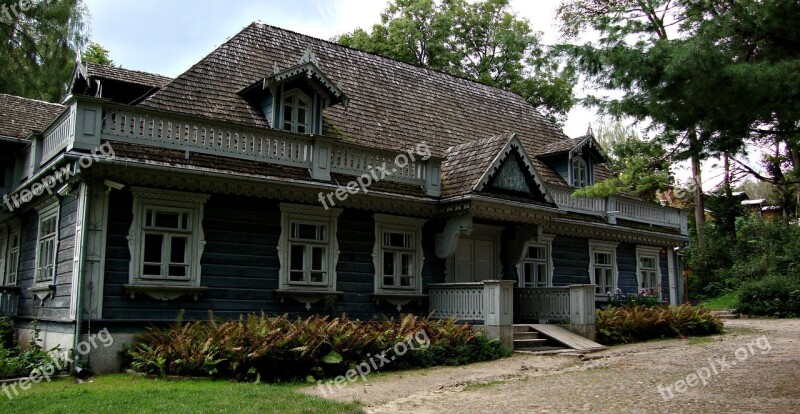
point(15, 363)
point(38, 47)
point(762, 248)
point(278, 348)
point(621, 325)
point(645, 297)
point(96, 53)
point(772, 296)
point(8, 335)
point(483, 41)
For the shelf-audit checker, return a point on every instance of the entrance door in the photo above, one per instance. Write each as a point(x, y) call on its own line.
point(477, 256)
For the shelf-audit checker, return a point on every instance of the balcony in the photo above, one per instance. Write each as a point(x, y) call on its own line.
point(620, 208)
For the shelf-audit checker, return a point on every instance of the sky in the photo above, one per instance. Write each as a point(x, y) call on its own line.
point(169, 36)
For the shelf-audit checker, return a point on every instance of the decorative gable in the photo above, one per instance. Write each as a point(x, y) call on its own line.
point(512, 172)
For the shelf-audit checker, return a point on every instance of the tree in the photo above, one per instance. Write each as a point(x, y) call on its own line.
point(96, 53)
point(39, 42)
point(640, 167)
point(636, 54)
point(483, 41)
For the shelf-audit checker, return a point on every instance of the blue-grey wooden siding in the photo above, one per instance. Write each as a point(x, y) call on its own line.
point(240, 265)
point(571, 261)
point(56, 307)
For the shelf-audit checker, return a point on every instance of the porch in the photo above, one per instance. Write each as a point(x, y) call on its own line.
point(511, 314)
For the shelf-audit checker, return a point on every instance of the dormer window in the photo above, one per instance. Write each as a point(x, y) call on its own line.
point(580, 173)
point(294, 98)
point(296, 108)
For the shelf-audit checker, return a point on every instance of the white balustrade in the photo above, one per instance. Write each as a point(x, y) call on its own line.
point(399, 167)
point(566, 201)
point(462, 301)
point(57, 137)
point(532, 304)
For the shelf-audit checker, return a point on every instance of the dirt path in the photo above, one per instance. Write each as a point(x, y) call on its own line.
point(623, 379)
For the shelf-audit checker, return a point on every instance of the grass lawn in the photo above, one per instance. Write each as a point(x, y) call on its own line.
point(724, 302)
point(133, 394)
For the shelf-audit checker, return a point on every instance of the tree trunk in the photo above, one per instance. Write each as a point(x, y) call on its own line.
point(730, 211)
point(697, 186)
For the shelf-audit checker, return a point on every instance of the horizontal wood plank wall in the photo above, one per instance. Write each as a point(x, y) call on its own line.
point(55, 307)
point(571, 261)
point(240, 265)
point(626, 265)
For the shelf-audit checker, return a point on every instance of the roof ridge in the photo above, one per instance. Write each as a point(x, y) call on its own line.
point(130, 70)
point(31, 99)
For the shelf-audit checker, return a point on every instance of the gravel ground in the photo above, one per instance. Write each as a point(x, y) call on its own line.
point(623, 379)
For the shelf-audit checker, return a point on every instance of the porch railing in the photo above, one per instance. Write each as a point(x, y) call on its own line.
point(534, 304)
point(462, 301)
point(9, 300)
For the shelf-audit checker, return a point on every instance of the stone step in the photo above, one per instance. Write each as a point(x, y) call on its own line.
point(526, 335)
point(528, 343)
point(523, 328)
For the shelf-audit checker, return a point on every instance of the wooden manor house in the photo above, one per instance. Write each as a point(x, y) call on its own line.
point(288, 174)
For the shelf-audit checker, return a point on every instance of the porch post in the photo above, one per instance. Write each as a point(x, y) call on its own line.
point(498, 311)
point(582, 310)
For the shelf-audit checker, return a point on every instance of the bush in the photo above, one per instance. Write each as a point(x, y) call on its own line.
point(280, 349)
point(620, 325)
point(645, 297)
point(772, 296)
point(8, 335)
point(15, 363)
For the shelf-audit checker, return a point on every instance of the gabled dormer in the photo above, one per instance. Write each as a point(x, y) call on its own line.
point(293, 99)
point(574, 159)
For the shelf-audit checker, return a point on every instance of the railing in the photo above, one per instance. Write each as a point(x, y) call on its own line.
point(565, 201)
point(9, 301)
point(143, 127)
point(357, 161)
point(533, 304)
point(462, 301)
point(56, 138)
point(614, 208)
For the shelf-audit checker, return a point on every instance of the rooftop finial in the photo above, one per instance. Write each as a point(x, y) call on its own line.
point(276, 70)
point(590, 132)
point(309, 56)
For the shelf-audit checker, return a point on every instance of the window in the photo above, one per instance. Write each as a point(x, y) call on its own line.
point(296, 112)
point(308, 250)
point(11, 260)
point(398, 254)
point(603, 266)
point(166, 238)
point(46, 243)
point(535, 268)
point(580, 173)
point(648, 272)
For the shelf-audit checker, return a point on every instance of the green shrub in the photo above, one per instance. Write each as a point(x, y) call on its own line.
point(8, 335)
point(772, 296)
point(280, 349)
point(620, 325)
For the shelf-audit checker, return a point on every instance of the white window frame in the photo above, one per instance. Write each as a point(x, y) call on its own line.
point(602, 246)
point(146, 199)
point(301, 214)
point(11, 264)
point(653, 253)
point(48, 211)
point(5, 244)
point(581, 166)
point(544, 241)
point(410, 226)
point(297, 95)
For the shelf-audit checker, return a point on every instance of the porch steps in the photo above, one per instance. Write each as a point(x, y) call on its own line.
point(564, 337)
point(526, 339)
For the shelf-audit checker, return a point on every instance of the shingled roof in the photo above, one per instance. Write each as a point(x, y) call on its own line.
point(20, 116)
point(152, 80)
point(393, 105)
